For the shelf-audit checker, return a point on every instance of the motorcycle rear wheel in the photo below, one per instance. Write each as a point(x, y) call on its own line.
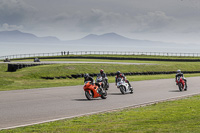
point(89, 95)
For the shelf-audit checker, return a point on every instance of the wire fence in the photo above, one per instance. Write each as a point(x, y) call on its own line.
point(64, 53)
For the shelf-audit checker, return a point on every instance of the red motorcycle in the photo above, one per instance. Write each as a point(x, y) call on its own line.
point(93, 91)
point(181, 84)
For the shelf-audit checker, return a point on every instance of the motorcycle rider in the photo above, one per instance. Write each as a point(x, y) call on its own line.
point(179, 74)
point(121, 75)
point(89, 78)
point(103, 75)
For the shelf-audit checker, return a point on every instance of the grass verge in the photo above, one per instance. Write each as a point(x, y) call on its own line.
point(20, 84)
point(181, 116)
point(28, 78)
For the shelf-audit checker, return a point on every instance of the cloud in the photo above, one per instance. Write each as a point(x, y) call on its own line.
point(14, 11)
point(74, 19)
point(98, 20)
point(93, 20)
point(8, 27)
point(153, 22)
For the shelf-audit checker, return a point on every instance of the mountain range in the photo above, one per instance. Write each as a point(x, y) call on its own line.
point(108, 38)
point(21, 37)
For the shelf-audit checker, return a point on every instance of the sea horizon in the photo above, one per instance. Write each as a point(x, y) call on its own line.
point(30, 48)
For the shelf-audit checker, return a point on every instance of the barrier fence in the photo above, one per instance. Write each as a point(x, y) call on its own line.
point(63, 53)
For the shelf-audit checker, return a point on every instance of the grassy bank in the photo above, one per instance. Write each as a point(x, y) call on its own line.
point(30, 77)
point(181, 116)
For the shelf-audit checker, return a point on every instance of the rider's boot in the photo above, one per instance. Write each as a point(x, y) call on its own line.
point(101, 90)
point(130, 86)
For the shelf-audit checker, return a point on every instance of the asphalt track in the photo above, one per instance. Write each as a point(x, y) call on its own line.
point(33, 106)
point(74, 62)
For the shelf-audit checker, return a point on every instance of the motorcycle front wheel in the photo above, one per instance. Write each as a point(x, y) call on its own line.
point(88, 95)
point(180, 86)
point(122, 89)
point(104, 96)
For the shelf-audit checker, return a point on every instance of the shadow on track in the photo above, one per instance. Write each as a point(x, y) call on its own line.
point(174, 91)
point(115, 93)
point(85, 99)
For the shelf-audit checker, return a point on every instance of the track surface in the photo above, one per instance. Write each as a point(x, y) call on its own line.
point(24, 107)
point(72, 62)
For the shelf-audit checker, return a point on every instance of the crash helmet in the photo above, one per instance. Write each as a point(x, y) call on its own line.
point(178, 71)
point(86, 75)
point(118, 73)
point(101, 71)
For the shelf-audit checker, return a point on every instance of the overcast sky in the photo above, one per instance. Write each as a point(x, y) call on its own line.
point(161, 20)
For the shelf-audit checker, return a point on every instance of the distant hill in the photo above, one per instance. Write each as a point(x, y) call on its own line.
point(112, 39)
point(18, 36)
point(105, 37)
point(92, 39)
point(108, 38)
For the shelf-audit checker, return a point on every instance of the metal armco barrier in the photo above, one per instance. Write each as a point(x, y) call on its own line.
point(62, 53)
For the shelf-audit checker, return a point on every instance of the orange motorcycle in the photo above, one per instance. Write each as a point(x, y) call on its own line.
point(93, 91)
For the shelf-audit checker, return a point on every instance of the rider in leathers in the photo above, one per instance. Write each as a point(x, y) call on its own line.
point(103, 75)
point(119, 74)
point(89, 78)
point(179, 74)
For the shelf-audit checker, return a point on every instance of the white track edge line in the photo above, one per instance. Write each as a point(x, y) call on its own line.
point(91, 113)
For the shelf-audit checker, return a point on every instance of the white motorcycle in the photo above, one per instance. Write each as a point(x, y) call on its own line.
point(102, 80)
point(123, 86)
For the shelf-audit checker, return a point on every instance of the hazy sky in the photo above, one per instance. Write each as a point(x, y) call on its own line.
point(162, 20)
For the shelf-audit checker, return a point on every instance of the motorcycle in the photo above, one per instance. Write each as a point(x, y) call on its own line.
point(123, 86)
point(181, 84)
point(105, 84)
point(93, 91)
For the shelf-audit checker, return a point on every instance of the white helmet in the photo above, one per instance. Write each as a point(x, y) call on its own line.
point(178, 71)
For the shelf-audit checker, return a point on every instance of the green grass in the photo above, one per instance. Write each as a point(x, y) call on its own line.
point(181, 116)
point(28, 78)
